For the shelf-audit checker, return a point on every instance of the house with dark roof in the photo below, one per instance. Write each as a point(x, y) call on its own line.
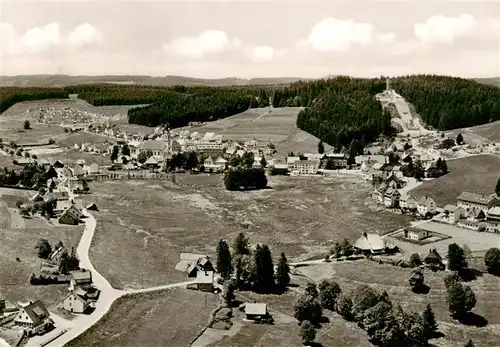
point(433, 258)
point(378, 194)
point(33, 318)
point(70, 216)
point(391, 197)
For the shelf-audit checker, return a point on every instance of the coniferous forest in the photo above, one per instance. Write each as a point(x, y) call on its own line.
point(337, 110)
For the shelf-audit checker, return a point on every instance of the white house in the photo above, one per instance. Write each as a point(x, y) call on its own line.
point(426, 205)
point(493, 220)
point(33, 318)
point(452, 214)
point(415, 234)
point(407, 202)
point(290, 161)
point(305, 167)
point(70, 215)
point(391, 197)
point(468, 200)
point(76, 301)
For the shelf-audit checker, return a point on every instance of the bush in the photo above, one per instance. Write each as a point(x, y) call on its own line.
point(51, 141)
point(27, 125)
point(492, 261)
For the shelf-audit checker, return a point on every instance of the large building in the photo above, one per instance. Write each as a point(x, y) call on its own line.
point(370, 243)
point(493, 220)
point(468, 200)
point(33, 318)
point(305, 167)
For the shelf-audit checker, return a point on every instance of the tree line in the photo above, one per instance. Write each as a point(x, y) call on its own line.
point(252, 268)
point(450, 102)
point(32, 176)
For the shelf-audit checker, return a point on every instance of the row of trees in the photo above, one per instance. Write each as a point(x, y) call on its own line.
point(253, 269)
point(385, 323)
point(32, 176)
point(12, 95)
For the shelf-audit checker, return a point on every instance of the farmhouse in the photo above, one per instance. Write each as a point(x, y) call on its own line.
point(70, 216)
point(452, 214)
point(407, 202)
point(151, 163)
point(76, 301)
point(290, 161)
point(415, 234)
point(81, 277)
point(255, 311)
point(192, 263)
point(394, 181)
point(378, 194)
point(305, 167)
point(34, 318)
point(470, 224)
point(426, 205)
point(433, 258)
point(468, 200)
point(370, 243)
point(205, 281)
point(391, 197)
point(493, 220)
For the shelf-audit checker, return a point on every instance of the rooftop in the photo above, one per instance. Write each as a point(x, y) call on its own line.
point(370, 241)
point(205, 277)
point(256, 308)
point(476, 198)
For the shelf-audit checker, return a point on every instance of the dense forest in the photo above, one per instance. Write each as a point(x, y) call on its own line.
point(178, 109)
point(449, 102)
point(11, 95)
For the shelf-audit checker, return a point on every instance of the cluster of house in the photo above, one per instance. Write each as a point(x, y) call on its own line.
point(82, 294)
point(474, 211)
point(65, 115)
point(200, 267)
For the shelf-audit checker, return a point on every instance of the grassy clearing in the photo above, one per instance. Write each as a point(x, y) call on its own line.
point(142, 226)
point(167, 318)
point(277, 126)
point(479, 134)
point(70, 156)
point(394, 280)
point(478, 174)
point(83, 137)
point(20, 243)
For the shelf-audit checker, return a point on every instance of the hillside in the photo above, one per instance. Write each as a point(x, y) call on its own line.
point(494, 81)
point(165, 81)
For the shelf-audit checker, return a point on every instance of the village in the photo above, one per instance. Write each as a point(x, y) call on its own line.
point(394, 166)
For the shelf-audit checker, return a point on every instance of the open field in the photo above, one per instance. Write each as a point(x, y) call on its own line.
point(20, 243)
point(485, 133)
point(143, 225)
point(168, 318)
point(394, 280)
point(83, 137)
point(72, 155)
point(12, 130)
point(274, 124)
point(477, 174)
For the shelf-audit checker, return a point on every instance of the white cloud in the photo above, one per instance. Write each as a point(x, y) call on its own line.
point(338, 35)
point(40, 39)
point(262, 53)
point(195, 47)
point(386, 37)
point(441, 29)
point(84, 34)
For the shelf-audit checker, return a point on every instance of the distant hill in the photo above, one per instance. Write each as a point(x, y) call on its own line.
point(65, 80)
point(494, 81)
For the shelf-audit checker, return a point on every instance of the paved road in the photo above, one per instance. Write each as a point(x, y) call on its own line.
point(166, 286)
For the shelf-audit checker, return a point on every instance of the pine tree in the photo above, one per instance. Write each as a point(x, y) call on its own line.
point(470, 344)
point(264, 270)
point(224, 263)
point(429, 322)
point(460, 139)
point(497, 188)
point(282, 273)
point(321, 147)
point(240, 245)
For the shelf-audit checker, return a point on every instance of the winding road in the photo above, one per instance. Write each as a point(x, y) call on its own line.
point(64, 333)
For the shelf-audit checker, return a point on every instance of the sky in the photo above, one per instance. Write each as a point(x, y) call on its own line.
point(250, 39)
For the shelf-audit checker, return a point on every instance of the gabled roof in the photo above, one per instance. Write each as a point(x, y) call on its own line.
point(205, 277)
point(424, 200)
point(405, 196)
point(256, 309)
point(291, 160)
point(476, 198)
point(433, 255)
point(37, 312)
point(494, 211)
point(382, 188)
point(80, 275)
point(370, 241)
point(151, 161)
point(391, 191)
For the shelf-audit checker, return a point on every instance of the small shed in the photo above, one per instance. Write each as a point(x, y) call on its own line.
point(255, 311)
point(433, 258)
